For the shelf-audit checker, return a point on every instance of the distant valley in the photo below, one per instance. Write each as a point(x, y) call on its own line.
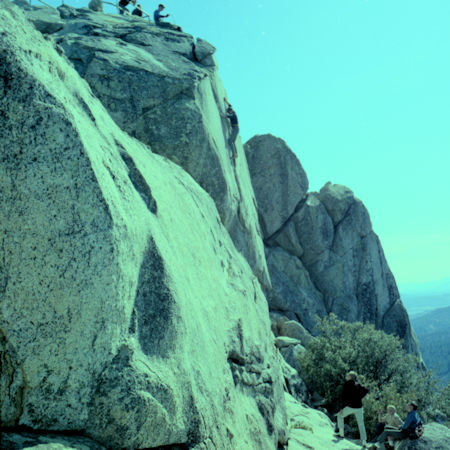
point(424, 297)
point(428, 306)
point(433, 333)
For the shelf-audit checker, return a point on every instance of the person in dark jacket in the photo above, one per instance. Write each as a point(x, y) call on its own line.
point(404, 432)
point(352, 394)
point(137, 11)
point(232, 116)
point(157, 16)
point(123, 6)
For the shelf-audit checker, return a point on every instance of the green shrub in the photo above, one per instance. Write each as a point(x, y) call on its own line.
point(391, 375)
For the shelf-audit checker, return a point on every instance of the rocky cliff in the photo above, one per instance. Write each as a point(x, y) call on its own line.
point(322, 253)
point(126, 311)
point(133, 266)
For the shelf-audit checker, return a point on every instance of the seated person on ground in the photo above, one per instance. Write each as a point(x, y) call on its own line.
point(157, 17)
point(390, 420)
point(405, 431)
point(137, 11)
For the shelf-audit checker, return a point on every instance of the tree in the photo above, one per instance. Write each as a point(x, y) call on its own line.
point(391, 375)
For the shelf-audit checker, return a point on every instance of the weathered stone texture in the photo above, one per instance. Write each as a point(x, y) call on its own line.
point(126, 312)
point(293, 292)
point(162, 87)
point(40, 441)
point(278, 178)
point(325, 256)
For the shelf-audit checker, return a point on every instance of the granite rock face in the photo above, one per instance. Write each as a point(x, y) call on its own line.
point(162, 87)
point(278, 179)
point(126, 313)
point(131, 257)
point(293, 293)
point(46, 20)
point(325, 257)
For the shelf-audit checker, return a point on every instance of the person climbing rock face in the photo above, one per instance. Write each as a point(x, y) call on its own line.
point(232, 116)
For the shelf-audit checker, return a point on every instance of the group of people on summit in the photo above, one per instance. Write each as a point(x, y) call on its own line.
point(389, 427)
point(137, 11)
point(230, 114)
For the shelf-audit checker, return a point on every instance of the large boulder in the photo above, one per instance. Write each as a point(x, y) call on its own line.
point(162, 87)
point(326, 258)
point(294, 385)
point(278, 178)
point(435, 437)
point(293, 329)
point(126, 313)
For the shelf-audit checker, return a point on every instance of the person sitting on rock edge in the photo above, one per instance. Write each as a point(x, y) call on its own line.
point(232, 116)
point(391, 420)
point(157, 16)
point(409, 426)
point(137, 11)
point(352, 394)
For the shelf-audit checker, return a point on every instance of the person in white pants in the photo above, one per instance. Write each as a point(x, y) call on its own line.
point(352, 394)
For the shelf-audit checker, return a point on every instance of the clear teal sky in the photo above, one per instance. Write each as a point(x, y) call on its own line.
point(360, 90)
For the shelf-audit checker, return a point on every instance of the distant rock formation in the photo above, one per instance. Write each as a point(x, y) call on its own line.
point(126, 313)
point(322, 253)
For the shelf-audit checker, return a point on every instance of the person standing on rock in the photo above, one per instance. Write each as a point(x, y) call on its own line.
point(232, 116)
point(352, 395)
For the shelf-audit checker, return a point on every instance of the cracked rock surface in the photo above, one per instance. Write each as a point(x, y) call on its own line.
point(324, 257)
point(122, 296)
point(163, 88)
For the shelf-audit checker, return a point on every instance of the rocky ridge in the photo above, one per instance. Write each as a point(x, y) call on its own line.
point(322, 253)
point(132, 258)
point(102, 326)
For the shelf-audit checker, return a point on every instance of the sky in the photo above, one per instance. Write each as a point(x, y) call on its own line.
point(360, 91)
